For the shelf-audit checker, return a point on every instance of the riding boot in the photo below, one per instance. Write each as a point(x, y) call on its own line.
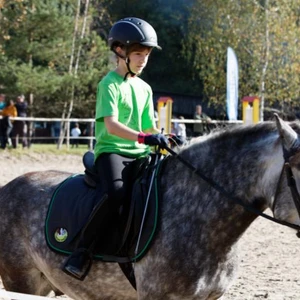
point(79, 262)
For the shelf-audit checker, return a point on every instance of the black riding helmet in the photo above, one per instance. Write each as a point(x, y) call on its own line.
point(128, 31)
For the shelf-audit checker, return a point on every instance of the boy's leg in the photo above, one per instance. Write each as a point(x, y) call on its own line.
point(116, 169)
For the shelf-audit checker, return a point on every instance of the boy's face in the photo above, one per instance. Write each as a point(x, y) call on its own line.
point(138, 60)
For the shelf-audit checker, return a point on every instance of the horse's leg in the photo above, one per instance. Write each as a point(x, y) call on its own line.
point(28, 282)
point(161, 279)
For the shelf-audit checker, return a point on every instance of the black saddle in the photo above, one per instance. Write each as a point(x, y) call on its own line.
point(129, 233)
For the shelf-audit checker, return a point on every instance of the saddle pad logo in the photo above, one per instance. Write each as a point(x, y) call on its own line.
point(60, 235)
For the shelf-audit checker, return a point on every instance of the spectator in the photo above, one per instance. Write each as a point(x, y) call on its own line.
point(75, 133)
point(2, 102)
point(201, 128)
point(6, 123)
point(174, 126)
point(90, 132)
point(181, 129)
point(2, 105)
point(55, 130)
point(20, 126)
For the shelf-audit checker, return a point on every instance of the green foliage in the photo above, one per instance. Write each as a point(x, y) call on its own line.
point(244, 26)
point(36, 38)
point(36, 46)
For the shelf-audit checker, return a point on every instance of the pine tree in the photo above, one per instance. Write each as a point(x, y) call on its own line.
point(36, 45)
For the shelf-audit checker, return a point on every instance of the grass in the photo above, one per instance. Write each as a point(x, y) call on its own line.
point(48, 149)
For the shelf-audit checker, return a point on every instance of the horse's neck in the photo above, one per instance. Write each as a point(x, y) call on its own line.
point(247, 169)
point(251, 176)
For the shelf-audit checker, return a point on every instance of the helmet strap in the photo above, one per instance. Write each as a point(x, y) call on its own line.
point(127, 61)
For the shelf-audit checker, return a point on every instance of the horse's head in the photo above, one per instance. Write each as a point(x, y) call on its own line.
point(286, 205)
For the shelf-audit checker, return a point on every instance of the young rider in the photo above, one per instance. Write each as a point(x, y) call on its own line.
point(125, 125)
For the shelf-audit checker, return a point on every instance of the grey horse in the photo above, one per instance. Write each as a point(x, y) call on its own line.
point(194, 254)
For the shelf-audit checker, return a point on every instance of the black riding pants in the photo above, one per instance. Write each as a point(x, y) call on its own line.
point(116, 174)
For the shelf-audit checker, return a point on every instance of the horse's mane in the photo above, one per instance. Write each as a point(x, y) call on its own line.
point(228, 147)
point(226, 156)
point(238, 134)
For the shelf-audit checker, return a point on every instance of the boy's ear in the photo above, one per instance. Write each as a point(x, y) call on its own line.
point(120, 51)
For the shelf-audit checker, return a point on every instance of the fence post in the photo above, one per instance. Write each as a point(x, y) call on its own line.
point(68, 134)
point(91, 134)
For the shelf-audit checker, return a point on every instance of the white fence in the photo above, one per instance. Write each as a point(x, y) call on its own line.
point(51, 133)
point(42, 131)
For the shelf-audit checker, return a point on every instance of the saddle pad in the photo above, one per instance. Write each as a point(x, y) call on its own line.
point(71, 204)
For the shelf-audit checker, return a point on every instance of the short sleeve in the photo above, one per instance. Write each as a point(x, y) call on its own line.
point(107, 101)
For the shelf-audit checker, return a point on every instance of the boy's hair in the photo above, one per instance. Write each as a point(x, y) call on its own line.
point(132, 48)
point(137, 47)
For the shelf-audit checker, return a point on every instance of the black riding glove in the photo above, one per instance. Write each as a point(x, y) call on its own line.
point(153, 140)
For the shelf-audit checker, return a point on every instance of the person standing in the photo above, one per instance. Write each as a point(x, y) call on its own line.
point(2, 101)
point(6, 123)
point(75, 133)
point(181, 129)
point(2, 127)
point(201, 128)
point(124, 128)
point(20, 127)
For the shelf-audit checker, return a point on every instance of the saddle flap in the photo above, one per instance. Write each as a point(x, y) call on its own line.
point(69, 209)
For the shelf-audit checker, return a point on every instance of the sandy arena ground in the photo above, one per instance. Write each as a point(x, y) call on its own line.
point(269, 253)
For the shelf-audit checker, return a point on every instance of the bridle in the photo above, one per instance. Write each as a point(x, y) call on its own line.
point(290, 178)
point(285, 169)
point(293, 187)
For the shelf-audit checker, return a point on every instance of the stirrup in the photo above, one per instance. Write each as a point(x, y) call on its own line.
point(77, 272)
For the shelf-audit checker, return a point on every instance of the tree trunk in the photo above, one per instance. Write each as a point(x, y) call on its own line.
point(265, 67)
point(71, 103)
point(64, 125)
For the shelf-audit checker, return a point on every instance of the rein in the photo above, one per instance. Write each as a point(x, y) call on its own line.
point(291, 182)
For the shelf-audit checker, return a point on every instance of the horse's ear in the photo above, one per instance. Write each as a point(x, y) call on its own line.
point(288, 135)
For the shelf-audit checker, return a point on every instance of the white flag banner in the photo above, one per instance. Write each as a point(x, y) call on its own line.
point(232, 86)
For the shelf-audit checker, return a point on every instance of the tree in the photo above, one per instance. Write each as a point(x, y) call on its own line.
point(194, 34)
point(213, 26)
point(167, 70)
point(282, 80)
point(35, 55)
point(30, 43)
point(264, 36)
